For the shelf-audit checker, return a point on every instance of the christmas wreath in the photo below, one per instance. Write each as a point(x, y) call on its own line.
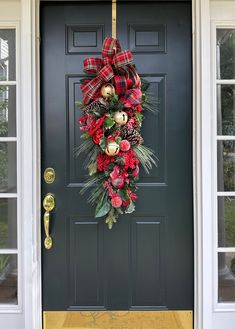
point(114, 99)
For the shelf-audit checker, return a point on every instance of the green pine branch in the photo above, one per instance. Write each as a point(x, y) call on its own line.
point(146, 156)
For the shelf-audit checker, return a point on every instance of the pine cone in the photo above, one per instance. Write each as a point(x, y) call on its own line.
point(132, 135)
point(96, 108)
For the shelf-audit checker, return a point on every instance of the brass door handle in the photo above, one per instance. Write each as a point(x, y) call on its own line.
point(48, 205)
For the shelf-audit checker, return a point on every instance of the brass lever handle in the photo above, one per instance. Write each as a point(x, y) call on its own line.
point(48, 205)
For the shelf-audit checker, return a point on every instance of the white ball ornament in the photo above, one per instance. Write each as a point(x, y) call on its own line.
point(112, 149)
point(120, 117)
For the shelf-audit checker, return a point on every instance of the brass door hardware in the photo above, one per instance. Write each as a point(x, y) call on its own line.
point(49, 175)
point(48, 205)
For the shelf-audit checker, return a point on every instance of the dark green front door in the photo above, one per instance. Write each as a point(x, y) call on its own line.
point(146, 261)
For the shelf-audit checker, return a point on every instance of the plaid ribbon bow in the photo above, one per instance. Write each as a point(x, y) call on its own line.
point(112, 57)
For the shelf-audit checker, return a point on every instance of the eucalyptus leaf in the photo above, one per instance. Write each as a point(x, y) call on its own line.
point(92, 168)
point(130, 208)
point(79, 104)
point(102, 208)
point(85, 135)
point(103, 143)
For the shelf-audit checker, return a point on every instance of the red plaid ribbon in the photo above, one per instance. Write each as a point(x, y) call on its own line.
point(120, 82)
point(112, 55)
point(104, 75)
point(132, 97)
point(110, 47)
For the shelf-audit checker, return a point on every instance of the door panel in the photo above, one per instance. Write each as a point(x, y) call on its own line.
point(146, 261)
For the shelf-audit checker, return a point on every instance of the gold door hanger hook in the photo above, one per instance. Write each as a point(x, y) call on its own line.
point(114, 19)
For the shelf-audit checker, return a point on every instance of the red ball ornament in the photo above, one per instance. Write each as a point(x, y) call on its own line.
point(129, 83)
point(116, 202)
point(125, 145)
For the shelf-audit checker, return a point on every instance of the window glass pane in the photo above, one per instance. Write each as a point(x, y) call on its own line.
point(226, 109)
point(7, 111)
point(226, 221)
point(8, 223)
point(226, 276)
point(7, 54)
point(8, 279)
point(7, 167)
point(226, 165)
point(225, 53)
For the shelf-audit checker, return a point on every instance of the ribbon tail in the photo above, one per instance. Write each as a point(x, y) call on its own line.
point(90, 89)
point(135, 77)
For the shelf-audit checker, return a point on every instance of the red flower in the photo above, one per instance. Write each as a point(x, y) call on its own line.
point(133, 196)
point(138, 108)
point(117, 179)
point(129, 159)
point(86, 121)
point(98, 135)
point(103, 160)
point(96, 124)
point(136, 171)
point(116, 202)
point(118, 182)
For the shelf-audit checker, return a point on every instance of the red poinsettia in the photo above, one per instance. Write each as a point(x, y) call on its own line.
point(96, 124)
point(98, 135)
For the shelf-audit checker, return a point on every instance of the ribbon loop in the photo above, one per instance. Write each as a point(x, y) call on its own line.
point(106, 73)
point(92, 65)
point(112, 56)
point(122, 59)
point(110, 47)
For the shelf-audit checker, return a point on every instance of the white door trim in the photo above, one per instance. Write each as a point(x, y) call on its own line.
point(31, 154)
point(201, 164)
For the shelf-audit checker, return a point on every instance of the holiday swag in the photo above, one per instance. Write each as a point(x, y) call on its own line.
point(112, 113)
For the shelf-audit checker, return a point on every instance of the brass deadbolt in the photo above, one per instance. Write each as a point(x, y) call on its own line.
point(49, 175)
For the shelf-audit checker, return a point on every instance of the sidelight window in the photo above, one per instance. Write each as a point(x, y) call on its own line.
point(9, 189)
point(225, 103)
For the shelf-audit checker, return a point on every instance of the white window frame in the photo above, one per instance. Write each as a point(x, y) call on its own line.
point(218, 306)
point(18, 308)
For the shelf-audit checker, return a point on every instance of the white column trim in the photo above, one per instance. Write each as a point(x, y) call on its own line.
point(202, 165)
point(31, 171)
